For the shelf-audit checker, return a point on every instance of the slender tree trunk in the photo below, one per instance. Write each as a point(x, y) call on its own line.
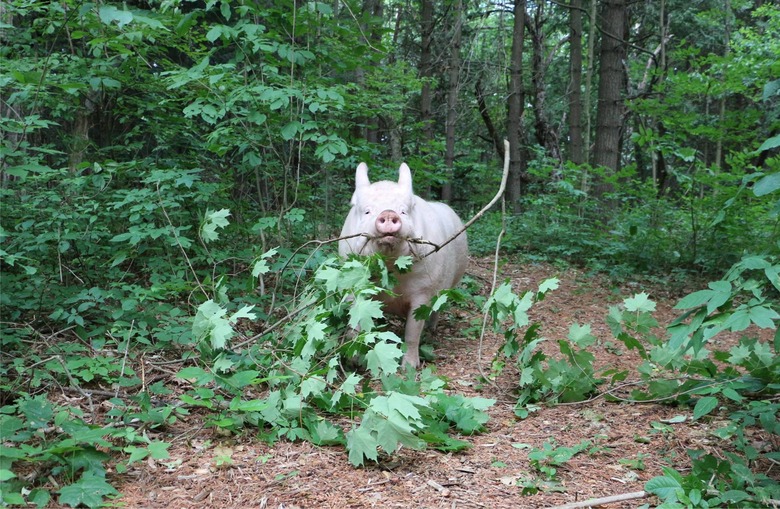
point(452, 100)
point(545, 134)
point(586, 107)
point(609, 115)
point(576, 152)
point(722, 106)
point(485, 114)
point(425, 70)
point(515, 106)
point(10, 138)
point(659, 163)
point(369, 130)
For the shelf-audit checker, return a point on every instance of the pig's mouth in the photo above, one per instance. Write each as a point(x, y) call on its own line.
point(387, 239)
point(387, 243)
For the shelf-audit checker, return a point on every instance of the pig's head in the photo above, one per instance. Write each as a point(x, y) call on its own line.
point(383, 213)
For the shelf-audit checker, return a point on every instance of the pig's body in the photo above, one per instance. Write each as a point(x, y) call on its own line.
point(387, 214)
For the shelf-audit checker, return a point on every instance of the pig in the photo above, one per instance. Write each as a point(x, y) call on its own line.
point(386, 216)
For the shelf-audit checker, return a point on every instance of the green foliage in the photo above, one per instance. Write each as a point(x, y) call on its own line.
point(744, 389)
point(304, 374)
point(645, 231)
point(550, 457)
point(57, 441)
point(542, 378)
point(678, 368)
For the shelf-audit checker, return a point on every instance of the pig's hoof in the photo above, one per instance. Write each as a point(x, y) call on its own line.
point(411, 360)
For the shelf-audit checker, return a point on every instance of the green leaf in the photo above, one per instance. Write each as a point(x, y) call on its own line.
point(326, 433)
point(39, 497)
point(734, 496)
point(361, 444)
point(768, 184)
point(384, 358)
point(244, 312)
point(704, 406)
point(363, 313)
point(763, 316)
point(404, 263)
point(243, 378)
point(665, 488)
point(581, 335)
point(695, 299)
point(9, 425)
point(159, 449)
point(549, 284)
point(261, 266)
point(90, 491)
point(213, 221)
point(312, 386)
point(639, 303)
point(405, 404)
point(109, 14)
point(771, 143)
point(290, 130)
point(215, 33)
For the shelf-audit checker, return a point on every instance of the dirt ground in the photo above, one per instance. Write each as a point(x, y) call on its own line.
point(492, 473)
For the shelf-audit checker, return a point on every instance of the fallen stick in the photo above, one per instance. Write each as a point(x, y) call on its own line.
point(603, 500)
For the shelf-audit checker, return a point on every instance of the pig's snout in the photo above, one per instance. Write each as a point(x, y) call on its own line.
point(388, 223)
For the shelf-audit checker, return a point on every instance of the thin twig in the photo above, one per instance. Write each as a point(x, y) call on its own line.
point(178, 243)
point(124, 357)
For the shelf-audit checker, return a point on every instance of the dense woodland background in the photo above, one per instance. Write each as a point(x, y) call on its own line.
point(159, 156)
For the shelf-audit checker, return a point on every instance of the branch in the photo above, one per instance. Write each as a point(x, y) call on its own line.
point(481, 213)
point(603, 500)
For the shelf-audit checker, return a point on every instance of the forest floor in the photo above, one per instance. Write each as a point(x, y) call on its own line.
point(628, 448)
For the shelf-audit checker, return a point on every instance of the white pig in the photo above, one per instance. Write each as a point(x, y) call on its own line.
point(388, 214)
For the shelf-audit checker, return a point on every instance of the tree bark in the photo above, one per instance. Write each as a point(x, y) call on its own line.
point(425, 70)
point(452, 100)
point(515, 107)
point(545, 134)
point(369, 126)
point(485, 114)
point(576, 152)
point(609, 114)
point(586, 105)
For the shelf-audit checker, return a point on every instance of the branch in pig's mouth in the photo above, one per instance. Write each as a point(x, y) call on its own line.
point(436, 247)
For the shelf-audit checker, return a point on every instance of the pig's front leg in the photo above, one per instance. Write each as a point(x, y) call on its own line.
point(412, 334)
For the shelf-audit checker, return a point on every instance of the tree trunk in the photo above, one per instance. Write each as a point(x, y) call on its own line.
point(589, 82)
point(373, 8)
point(515, 106)
point(722, 106)
point(485, 114)
point(425, 70)
point(545, 134)
point(609, 114)
point(452, 101)
point(576, 152)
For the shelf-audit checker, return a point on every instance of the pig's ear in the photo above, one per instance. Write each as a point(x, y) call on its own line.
point(405, 177)
point(361, 176)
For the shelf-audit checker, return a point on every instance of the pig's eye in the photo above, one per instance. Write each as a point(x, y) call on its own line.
point(368, 211)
